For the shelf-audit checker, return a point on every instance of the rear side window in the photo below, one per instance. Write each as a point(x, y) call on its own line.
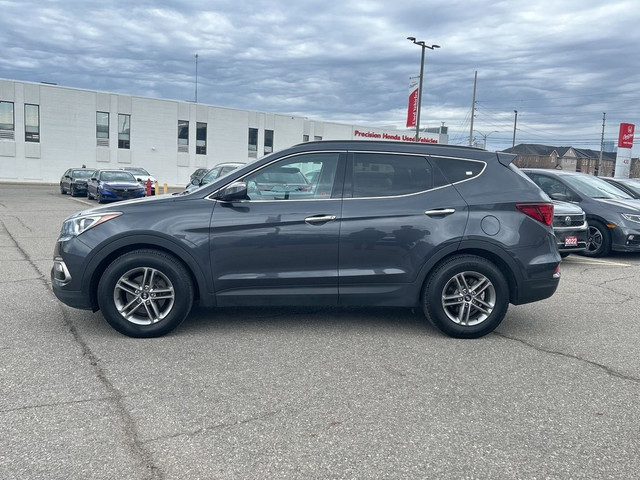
point(457, 170)
point(386, 175)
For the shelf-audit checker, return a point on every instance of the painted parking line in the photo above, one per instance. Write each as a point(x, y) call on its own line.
point(593, 261)
point(86, 202)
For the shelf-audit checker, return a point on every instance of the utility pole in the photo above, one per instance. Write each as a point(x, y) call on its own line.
point(196, 100)
point(473, 108)
point(604, 115)
point(515, 122)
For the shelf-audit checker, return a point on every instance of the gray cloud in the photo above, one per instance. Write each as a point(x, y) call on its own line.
point(561, 63)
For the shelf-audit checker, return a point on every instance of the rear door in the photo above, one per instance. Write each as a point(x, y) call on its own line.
point(398, 210)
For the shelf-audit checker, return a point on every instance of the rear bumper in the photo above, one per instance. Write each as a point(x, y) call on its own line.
point(534, 290)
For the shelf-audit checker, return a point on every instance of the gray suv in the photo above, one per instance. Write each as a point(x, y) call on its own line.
point(457, 231)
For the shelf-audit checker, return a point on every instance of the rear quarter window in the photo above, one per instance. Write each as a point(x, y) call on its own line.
point(457, 170)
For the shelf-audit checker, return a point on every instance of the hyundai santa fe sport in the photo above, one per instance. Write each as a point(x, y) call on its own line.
point(457, 231)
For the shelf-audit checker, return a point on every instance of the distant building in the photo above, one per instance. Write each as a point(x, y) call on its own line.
point(566, 158)
point(46, 129)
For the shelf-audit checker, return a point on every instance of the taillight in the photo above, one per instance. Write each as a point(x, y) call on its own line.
point(543, 212)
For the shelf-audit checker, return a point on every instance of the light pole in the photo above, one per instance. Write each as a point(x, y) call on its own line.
point(484, 137)
point(196, 55)
point(430, 47)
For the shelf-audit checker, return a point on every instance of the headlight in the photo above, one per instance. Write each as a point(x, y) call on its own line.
point(632, 217)
point(73, 227)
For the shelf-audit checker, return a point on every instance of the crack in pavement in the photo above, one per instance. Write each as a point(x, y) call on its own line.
point(130, 430)
point(205, 429)
point(56, 404)
point(606, 369)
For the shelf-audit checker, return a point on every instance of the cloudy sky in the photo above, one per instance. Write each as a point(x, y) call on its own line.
point(560, 63)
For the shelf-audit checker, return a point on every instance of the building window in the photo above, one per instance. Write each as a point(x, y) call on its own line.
point(183, 136)
point(7, 123)
point(124, 131)
point(201, 138)
point(305, 138)
point(253, 142)
point(31, 123)
point(317, 138)
point(268, 141)
point(102, 129)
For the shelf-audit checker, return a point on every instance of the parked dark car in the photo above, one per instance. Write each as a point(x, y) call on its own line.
point(570, 227)
point(630, 186)
point(612, 215)
point(74, 181)
point(458, 231)
point(111, 185)
point(210, 175)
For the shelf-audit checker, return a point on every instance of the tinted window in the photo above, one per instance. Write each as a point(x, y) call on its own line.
point(286, 179)
point(456, 170)
point(384, 175)
point(81, 173)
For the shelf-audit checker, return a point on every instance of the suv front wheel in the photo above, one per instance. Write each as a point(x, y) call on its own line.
point(466, 297)
point(145, 293)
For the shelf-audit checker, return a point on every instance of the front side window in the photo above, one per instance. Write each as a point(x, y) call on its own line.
point(124, 131)
point(201, 138)
point(303, 177)
point(385, 175)
point(268, 141)
point(102, 125)
point(31, 123)
point(7, 120)
point(253, 142)
point(183, 136)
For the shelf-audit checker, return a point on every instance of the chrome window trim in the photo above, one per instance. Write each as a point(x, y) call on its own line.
point(381, 152)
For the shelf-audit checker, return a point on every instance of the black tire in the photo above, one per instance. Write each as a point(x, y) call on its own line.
point(89, 196)
point(73, 192)
point(467, 313)
point(99, 196)
point(62, 190)
point(147, 313)
point(598, 240)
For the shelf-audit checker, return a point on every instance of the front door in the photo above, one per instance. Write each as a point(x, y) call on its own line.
point(281, 245)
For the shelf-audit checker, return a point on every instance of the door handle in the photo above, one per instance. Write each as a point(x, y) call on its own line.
point(320, 219)
point(441, 212)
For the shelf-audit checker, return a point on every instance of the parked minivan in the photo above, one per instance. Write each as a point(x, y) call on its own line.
point(457, 231)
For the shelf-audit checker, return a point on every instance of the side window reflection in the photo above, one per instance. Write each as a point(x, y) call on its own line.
point(303, 177)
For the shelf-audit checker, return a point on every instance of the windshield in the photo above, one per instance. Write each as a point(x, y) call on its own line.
point(117, 177)
point(138, 171)
point(81, 173)
point(594, 187)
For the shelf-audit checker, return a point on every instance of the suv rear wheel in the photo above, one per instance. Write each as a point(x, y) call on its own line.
point(145, 293)
point(466, 297)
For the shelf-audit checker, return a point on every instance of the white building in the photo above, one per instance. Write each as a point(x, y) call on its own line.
point(46, 129)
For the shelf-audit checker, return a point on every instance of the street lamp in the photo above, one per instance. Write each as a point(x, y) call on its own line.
point(484, 137)
point(430, 47)
point(196, 55)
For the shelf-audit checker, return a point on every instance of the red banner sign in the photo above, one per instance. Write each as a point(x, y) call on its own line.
point(412, 112)
point(625, 138)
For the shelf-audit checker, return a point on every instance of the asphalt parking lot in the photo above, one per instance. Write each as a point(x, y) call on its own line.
point(313, 393)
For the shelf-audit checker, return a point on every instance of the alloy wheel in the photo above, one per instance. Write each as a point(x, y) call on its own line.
point(468, 298)
point(144, 296)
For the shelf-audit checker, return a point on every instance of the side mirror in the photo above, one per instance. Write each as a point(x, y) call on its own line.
point(235, 191)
